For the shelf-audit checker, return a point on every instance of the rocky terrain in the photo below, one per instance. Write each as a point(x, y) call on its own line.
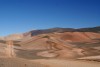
point(63, 42)
point(55, 45)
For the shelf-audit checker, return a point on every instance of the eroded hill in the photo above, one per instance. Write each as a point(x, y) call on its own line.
point(62, 42)
point(57, 43)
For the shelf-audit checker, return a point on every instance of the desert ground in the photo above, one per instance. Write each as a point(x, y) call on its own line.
point(17, 62)
point(47, 48)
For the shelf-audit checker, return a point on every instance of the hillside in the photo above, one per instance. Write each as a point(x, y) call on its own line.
point(46, 48)
point(62, 42)
point(62, 30)
point(12, 37)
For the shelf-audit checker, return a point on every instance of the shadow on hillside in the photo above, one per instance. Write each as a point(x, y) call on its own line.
point(29, 54)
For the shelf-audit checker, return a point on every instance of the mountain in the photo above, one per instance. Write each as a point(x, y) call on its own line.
point(61, 42)
point(62, 30)
point(52, 30)
point(48, 31)
point(56, 43)
point(93, 29)
point(12, 37)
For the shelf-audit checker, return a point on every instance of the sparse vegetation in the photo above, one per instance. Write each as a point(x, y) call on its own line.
point(46, 37)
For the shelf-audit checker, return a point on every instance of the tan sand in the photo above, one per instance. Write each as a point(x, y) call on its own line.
point(16, 62)
point(67, 63)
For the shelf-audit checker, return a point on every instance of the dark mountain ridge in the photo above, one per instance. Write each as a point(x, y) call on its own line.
point(62, 30)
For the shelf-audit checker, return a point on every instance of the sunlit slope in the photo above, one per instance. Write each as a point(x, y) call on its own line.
point(63, 45)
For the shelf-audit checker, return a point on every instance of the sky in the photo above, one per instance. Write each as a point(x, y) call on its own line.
point(18, 16)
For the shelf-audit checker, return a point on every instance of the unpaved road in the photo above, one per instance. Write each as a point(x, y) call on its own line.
point(67, 63)
point(16, 62)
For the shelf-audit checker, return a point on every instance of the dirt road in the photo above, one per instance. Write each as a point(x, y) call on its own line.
point(67, 63)
point(16, 62)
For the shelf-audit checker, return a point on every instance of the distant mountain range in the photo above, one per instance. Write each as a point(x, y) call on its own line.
point(61, 30)
point(47, 31)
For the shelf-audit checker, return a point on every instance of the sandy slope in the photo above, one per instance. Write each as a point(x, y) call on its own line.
point(67, 63)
